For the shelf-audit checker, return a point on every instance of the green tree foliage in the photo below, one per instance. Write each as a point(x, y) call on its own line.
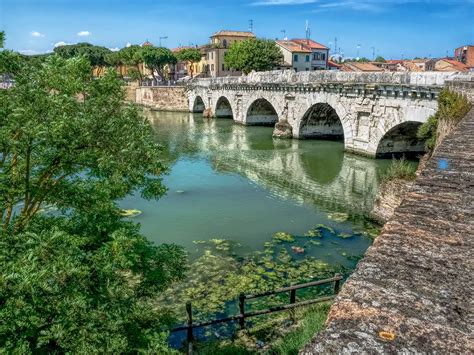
point(253, 54)
point(452, 107)
point(190, 56)
point(80, 278)
point(157, 58)
point(2, 38)
point(96, 55)
point(131, 56)
point(380, 59)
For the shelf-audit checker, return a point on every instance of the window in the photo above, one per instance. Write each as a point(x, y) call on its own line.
point(323, 56)
point(296, 69)
point(224, 43)
point(307, 58)
point(295, 57)
point(314, 56)
point(307, 69)
point(212, 67)
point(223, 67)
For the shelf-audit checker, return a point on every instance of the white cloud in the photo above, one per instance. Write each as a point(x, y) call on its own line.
point(28, 51)
point(115, 49)
point(128, 44)
point(282, 2)
point(61, 43)
point(36, 34)
point(84, 33)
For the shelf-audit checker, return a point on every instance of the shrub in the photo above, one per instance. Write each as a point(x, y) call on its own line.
point(452, 107)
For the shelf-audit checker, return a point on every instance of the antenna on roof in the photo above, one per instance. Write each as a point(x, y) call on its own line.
point(284, 34)
point(308, 32)
point(335, 45)
point(251, 25)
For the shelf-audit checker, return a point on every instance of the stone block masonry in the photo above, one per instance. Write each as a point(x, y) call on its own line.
point(163, 98)
point(414, 290)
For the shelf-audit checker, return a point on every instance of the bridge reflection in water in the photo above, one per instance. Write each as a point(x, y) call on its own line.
point(308, 171)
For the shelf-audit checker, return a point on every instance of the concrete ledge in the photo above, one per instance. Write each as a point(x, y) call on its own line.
point(414, 290)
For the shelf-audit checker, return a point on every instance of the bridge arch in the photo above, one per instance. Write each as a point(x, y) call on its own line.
point(223, 108)
point(261, 112)
point(321, 121)
point(198, 104)
point(401, 140)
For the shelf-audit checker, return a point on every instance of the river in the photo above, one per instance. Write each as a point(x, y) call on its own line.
point(235, 182)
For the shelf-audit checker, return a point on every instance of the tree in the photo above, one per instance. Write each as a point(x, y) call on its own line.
point(132, 56)
point(157, 58)
point(2, 38)
point(190, 56)
point(96, 55)
point(81, 279)
point(380, 59)
point(253, 54)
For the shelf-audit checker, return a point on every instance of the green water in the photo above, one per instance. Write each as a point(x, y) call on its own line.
point(235, 182)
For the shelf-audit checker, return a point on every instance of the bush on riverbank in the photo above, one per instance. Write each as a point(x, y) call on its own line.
point(452, 107)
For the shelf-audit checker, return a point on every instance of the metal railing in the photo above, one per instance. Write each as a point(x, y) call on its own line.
point(243, 315)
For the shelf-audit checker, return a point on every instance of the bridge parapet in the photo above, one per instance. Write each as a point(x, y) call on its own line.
point(291, 77)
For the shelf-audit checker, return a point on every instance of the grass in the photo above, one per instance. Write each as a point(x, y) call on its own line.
point(278, 338)
point(312, 323)
point(400, 169)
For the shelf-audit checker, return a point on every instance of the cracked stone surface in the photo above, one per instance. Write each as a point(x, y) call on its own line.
point(414, 290)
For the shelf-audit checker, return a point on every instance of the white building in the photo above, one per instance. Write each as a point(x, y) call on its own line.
point(303, 55)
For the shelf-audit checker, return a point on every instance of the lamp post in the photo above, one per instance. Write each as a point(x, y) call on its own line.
point(164, 37)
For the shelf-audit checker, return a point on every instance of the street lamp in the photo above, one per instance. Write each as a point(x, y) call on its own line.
point(164, 37)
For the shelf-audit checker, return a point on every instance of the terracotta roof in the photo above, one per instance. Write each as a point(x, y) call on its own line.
point(356, 66)
point(147, 44)
point(178, 49)
point(310, 43)
point(293, 46)
point(458, 66)
point(334, 64)
point(234, 34)
point(394, 61)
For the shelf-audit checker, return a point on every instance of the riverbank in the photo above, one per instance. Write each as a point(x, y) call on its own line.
point(160, 98)
point(414, 287)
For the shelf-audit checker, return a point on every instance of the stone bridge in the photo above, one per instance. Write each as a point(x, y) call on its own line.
point(376, 114)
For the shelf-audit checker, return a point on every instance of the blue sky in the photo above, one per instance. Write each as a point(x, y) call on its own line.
point(395, 28)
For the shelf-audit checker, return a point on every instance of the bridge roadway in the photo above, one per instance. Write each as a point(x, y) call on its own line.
point(377, 114)
point(414, 290)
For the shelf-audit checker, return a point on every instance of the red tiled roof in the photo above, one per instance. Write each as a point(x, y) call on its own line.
point(333, 64)
point(293, 46)
point(456, 65)
point(310, 43)
point(356, 66)
point(147, 44)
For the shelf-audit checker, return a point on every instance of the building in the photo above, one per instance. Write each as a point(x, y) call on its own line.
point(319, 53)
point(295, 56)
point(220, 42)
point(360, 67)
point(447, 64)
point(465, 55)
point(333, 65)
point(303, 55)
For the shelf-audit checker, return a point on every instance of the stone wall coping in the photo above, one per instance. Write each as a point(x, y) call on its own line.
point(289, 76)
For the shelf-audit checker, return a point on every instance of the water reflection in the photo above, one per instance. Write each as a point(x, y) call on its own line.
point(234, 181)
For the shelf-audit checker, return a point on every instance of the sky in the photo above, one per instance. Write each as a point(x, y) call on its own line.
point(393, 29)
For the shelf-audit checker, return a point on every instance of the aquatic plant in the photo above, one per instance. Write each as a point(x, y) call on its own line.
point(400, 169)
point(283, 237)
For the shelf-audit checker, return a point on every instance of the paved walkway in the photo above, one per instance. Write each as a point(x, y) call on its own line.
point(414, 290)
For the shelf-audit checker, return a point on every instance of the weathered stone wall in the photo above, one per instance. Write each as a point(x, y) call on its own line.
point(326, 76)
point(163, 98)
point(413, 292)
point(465, 87)
point(389, 197)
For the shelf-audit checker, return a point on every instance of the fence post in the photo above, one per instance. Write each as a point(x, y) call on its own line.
point(242, 310)
point(292, 301)
point(337, 284)
point(189, 336)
